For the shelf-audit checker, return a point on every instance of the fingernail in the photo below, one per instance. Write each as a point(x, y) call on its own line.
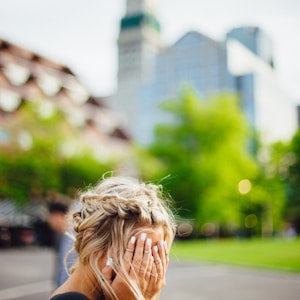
point(162, 243)
point(109, 261)
point(132, 240)
point(155, 248)
point(149, 242)
point(165, 243)
point(143, 236)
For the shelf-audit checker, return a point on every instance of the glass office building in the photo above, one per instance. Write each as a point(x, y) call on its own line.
point(242, 63)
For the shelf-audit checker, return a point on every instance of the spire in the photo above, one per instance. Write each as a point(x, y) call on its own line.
point(137, 6)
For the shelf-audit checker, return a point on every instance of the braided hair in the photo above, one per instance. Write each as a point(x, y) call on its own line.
point(114, 210)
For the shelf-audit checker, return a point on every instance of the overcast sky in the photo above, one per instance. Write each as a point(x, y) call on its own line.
point(82, 33)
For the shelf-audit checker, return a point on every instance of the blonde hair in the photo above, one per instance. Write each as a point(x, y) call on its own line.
point(113, 211)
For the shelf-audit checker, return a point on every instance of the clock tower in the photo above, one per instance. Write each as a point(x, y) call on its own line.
point(139, 42)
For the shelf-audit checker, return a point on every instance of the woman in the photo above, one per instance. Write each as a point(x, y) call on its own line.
point(124, 231)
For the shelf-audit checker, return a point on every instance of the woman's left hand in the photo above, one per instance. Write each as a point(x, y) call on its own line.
point(146, 266)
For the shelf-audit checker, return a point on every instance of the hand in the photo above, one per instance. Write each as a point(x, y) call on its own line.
point(146, 270)
point(160, 261)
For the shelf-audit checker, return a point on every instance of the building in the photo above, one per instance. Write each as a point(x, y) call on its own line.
point(139, 43)
point(254, 39)
point(27, 76)
point(184, 63)
point(242, 63)
point(265, 104)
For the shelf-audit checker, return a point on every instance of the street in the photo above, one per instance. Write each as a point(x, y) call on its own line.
point(26, 275)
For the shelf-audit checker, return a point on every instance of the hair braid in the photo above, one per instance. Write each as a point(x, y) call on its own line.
point(110, 214)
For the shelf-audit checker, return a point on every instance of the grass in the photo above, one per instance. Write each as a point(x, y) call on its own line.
point(273, 254)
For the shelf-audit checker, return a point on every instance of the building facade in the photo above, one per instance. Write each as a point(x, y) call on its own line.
point(139, 43)
point(26, 76)
point(242, 63)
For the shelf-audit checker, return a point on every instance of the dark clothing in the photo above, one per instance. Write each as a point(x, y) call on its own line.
point(70, 296)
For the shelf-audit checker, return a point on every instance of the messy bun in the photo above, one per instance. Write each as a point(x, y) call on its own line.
point(112, 212)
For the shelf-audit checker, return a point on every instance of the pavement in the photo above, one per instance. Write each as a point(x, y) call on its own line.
point(26, 274)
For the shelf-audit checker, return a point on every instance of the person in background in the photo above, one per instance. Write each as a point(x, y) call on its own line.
point(124, 231)
point(58, 222)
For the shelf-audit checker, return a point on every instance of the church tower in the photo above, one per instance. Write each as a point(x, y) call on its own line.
point(139, 42)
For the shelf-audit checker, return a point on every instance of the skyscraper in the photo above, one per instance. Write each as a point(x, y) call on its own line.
point(242, 63)
point(138, 44)
point(254, 39)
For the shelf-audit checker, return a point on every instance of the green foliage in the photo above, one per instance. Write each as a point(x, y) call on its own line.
point(80, 172)
point(149, 166)
point(292, 211)
point(265, 202)
point(35, 162)
point(26, 174)
point(204, 152)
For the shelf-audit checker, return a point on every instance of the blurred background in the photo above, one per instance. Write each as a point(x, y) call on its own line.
point(200, 96)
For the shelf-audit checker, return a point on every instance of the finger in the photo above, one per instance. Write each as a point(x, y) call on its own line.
point(167, 254)
point(129, 252)
point(107, 271)
point(138, 255)
point(106, 278)
point(149, 268)
point(157, 262)
point(107, 274)
point(162, 253)
point(153, 273)
point(146, 257)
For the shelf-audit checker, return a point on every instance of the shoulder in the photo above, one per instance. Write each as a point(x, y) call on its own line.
point(70, 296)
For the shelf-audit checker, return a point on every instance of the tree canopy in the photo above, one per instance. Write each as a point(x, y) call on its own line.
point(292, 163)
point(44, 153)
point(205, 151)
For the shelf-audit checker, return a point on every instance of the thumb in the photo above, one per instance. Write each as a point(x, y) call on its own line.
point(107, 272)
point(106, 280)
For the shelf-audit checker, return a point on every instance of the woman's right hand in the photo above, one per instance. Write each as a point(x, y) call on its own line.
point(146, 265)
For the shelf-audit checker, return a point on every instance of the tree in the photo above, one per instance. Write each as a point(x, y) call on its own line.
point(262, 206)
point(35, 160)
point(292, 161)
point(205, 152)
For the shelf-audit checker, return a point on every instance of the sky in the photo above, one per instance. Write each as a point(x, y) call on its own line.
point(82, 34)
